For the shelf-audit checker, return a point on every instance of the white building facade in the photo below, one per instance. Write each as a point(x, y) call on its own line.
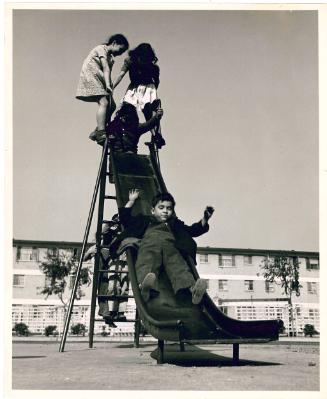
point(235, 283)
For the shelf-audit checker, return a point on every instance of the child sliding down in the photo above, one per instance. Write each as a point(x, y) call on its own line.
point(165, 241)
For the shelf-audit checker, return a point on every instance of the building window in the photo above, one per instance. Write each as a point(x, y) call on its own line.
point(18, 280)
point(269, 287)
point(248, 284)
point(77, 253)
point(222, 285)
point(312, 288)
point(226, 260)
point(246, 313)
point(224, 309)
point(27, 254)
point(203, 258)
point(53, 252)
point(312, 264)
point(247, 260)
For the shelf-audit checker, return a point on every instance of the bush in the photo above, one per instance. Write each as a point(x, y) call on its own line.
point(281, 327)
point(21, 329)
point(78, 329)
point(309, 329)
point(50, 330)
point(104, 332)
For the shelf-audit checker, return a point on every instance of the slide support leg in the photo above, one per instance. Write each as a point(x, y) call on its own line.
point(236, 353)
point(160, 358)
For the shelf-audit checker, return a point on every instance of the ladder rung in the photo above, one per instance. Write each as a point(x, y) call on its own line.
point(140, 176)
point(110, 197)
point(115, 296)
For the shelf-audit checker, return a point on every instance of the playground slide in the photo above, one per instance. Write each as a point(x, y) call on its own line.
point(167, 316)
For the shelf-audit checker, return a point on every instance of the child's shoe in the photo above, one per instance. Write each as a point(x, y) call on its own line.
point(146, 285)
point(101, 139)
point(108, 320)
point(159, 140)
point(93, 134)
point(106, 315)
point(96, 135)
point(198, 290)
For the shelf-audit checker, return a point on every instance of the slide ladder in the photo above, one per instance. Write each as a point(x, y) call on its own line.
point(101, 266)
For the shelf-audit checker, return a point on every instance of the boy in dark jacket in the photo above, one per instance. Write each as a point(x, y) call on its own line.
point(165, 239)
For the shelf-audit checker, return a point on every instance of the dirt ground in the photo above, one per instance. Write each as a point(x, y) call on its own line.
point(277, 366)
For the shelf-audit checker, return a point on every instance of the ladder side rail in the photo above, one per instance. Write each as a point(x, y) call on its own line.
point(98, 237)
point(86, 235)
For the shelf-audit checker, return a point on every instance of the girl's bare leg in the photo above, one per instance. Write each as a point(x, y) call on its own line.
point(101, 113)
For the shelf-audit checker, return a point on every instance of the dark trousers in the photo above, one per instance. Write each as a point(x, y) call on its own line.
point(157, 249)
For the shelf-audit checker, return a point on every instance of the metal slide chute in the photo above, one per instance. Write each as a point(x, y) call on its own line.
point(167, 316)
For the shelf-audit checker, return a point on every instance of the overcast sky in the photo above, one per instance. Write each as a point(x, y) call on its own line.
point(240, 95)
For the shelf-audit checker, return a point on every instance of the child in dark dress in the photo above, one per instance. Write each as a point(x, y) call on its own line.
point(165, 241)
point(124, 131)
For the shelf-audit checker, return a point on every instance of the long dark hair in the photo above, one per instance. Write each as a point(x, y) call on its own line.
point(145, 52)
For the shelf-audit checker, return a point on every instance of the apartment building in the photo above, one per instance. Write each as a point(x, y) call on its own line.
point(237, 286)
point(235, 283)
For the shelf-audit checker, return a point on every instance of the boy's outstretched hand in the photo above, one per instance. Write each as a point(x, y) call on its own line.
point(208, 212)
point(133, 194)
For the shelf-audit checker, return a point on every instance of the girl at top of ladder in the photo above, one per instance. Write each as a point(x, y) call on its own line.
point(95, 83)
point(144, 72)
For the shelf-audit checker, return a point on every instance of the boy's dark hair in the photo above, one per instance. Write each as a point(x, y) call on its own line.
point(127, 108)
point(144, 51)
point(119, 39)
point(163, 197)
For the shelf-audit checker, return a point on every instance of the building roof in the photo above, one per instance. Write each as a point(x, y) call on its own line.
point(257, 252)
point(200, 250)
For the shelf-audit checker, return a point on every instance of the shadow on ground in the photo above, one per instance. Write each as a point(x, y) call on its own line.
point(27, 357)
point(198, 357)
point(131, 345)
